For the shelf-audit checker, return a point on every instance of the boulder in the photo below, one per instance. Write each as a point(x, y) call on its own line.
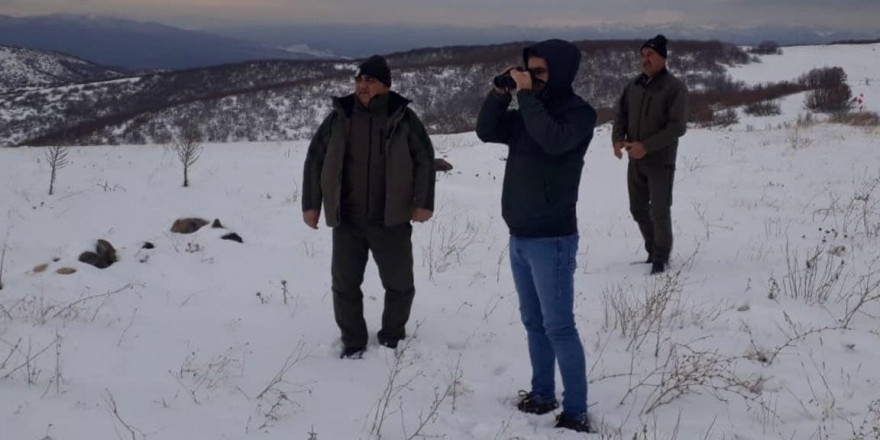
point(233, 237)
point(103, 256)
point(188, 225)
point(41, 268)
point(442, 165)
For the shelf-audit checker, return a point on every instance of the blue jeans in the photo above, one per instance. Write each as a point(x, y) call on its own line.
point(543, 272)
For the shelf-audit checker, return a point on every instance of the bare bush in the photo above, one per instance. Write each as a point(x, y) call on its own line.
point(661, 307)
point(813, 276)
point(835, 100)
point(726, 117)
point(823, 77)
point(858, 119)
point(398, 380)
point(56, 156)
point(199, 377)
point(113, 409)
point(429, 415)
point(766, 48)
point(24, 361)
point(797, 136)
point(638, 318)
point(869, 427)
point(295, 356)
point(188, 147)
point(763, 108)
point(39, 310)
point(866, 291)
point(447, 242)
point(858, 212)
point(686, 371)
point(793, 334)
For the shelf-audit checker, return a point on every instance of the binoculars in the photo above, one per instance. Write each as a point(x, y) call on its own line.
point(505, 81)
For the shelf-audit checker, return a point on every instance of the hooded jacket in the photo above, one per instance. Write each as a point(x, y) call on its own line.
point(547, 138)
point(409, 162)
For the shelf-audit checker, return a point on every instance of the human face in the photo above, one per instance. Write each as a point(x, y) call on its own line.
point(366, 87)
point(540, 73)
point(652, 62)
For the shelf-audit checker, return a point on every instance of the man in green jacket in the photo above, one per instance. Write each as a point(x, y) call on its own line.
point(651, 116)
point(371, 167)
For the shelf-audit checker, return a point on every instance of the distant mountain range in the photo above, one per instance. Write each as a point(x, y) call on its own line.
point(134, 45)
point(363, 40)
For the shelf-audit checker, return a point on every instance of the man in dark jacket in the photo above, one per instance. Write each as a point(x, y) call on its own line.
point(371, 166)
point(547, 138)
point(651, 116)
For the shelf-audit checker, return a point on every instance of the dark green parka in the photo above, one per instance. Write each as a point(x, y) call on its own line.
point(409, 162)
point(653, 111)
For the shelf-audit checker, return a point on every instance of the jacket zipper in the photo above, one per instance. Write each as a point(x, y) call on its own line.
point(641, 106)
point(369, 163)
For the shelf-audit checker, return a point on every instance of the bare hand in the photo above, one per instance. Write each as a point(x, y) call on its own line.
point(311, 216)
point(506, 71)
point(523, 79)
point(636, 150)
point(421, 215)
point(618, 146)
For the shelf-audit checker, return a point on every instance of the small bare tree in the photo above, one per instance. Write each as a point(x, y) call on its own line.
point(57, 157)
point(188, 147)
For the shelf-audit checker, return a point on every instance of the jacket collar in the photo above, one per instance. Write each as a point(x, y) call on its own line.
point(396, 105)
point(645, 80)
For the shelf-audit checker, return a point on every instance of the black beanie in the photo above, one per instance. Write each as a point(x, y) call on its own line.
point(657, 44)
point(377, 67)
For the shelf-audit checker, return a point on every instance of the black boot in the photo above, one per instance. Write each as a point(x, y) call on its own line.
point(388, 342)
point(352, 353)
point(529, 403)
point(658, 267)
point(579, 424)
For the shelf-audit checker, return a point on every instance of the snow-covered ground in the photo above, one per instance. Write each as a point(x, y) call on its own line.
point(757, 331)
point(861, 62)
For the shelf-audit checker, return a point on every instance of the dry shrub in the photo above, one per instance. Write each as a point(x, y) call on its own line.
point(858, 119)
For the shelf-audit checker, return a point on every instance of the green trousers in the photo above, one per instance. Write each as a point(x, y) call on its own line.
point(650, 200)
point(391, 248)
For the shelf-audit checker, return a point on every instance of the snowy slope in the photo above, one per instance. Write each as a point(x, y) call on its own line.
point(206, 338)
point(20, 67)
point(861, 62)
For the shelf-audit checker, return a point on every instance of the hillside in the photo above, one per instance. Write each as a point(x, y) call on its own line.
point(284, 100)
point(22, 68)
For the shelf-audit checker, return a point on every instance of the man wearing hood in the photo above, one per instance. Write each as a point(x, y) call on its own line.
point(651, 116)
point(371, 167)
point(547, 137)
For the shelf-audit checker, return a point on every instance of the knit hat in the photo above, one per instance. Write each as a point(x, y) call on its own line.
point(377, 67)
point(657, 44)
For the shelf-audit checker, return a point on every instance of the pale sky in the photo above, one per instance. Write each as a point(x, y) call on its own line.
point(854, 15)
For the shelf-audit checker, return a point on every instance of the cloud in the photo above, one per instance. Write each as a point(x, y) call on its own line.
point(859, 14)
